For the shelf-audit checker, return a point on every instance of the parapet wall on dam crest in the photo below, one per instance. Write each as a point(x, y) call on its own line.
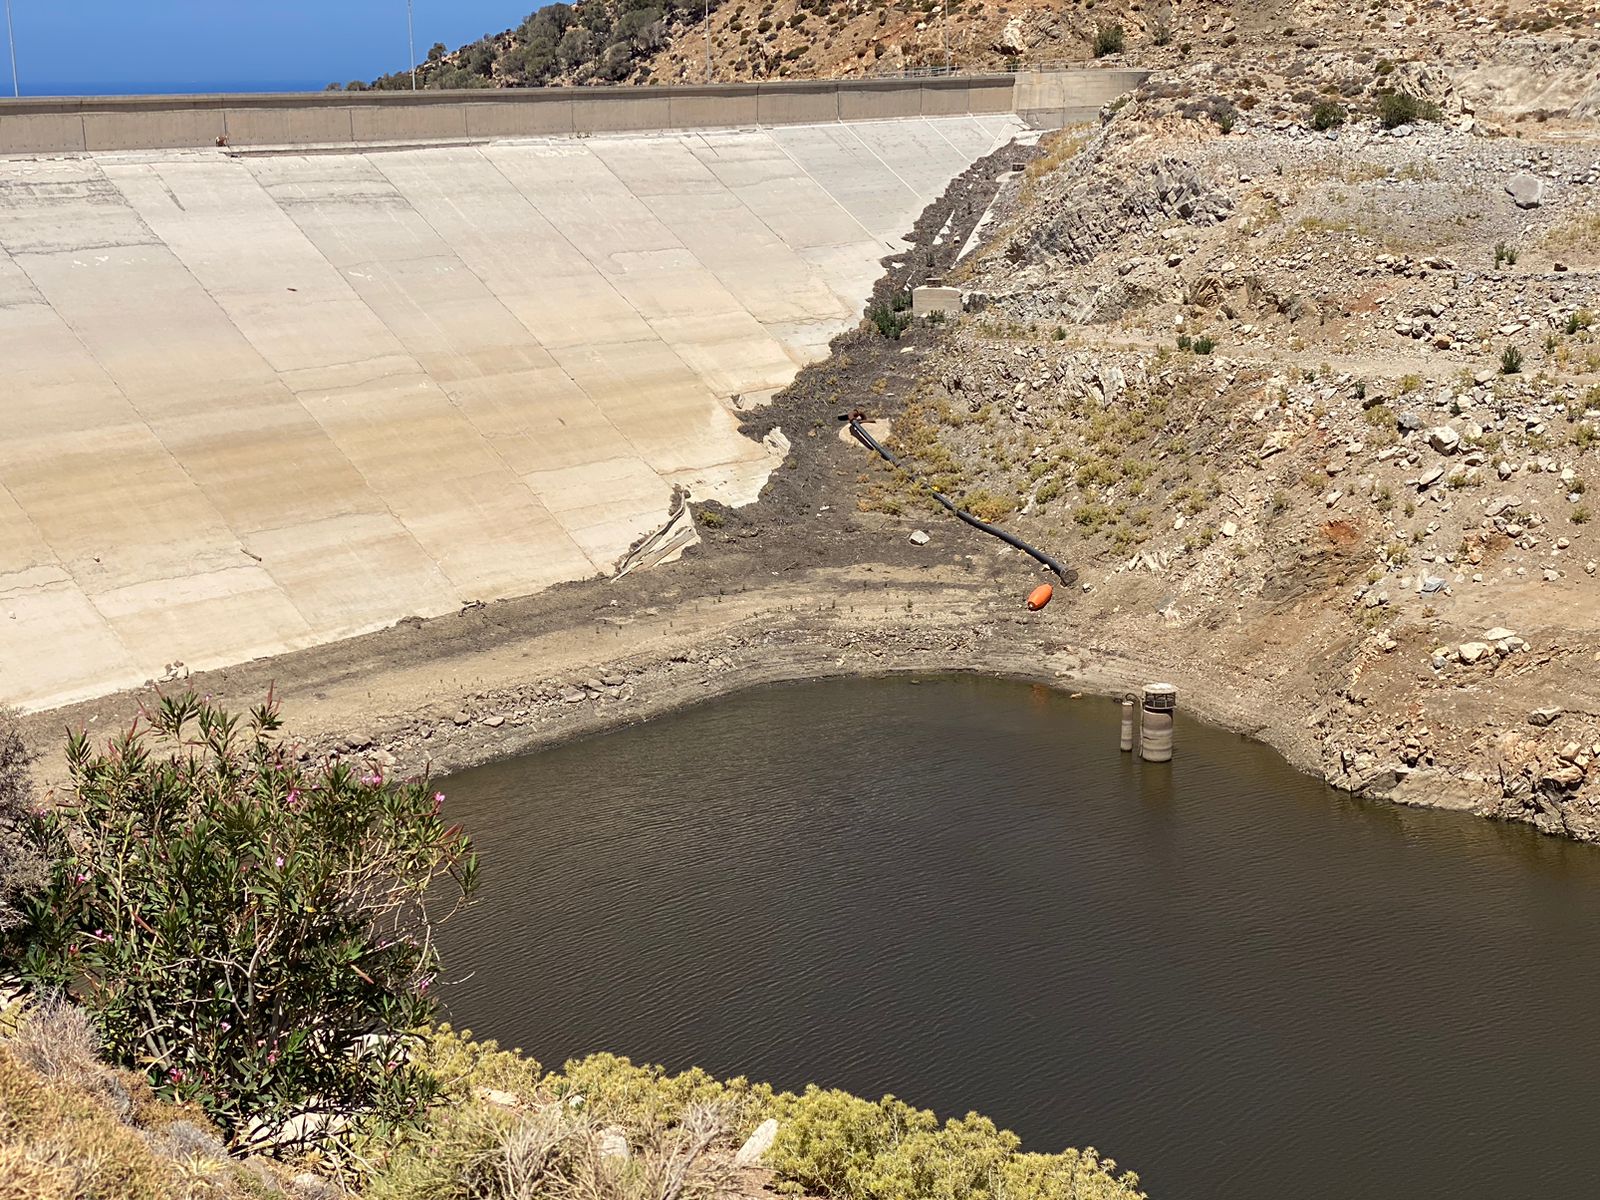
point(257, 402)
point(113, 123)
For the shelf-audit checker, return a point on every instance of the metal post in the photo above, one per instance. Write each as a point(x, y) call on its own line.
point(708, 41)
point(411, 43)
point(11, 40)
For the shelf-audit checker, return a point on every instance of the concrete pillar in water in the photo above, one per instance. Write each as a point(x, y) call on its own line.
point(1127, 722)
point(1155, 722)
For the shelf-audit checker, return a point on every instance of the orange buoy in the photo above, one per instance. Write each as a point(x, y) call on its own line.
point(1039, 597)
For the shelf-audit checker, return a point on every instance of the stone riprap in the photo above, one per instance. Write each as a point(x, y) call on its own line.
point(255, 403)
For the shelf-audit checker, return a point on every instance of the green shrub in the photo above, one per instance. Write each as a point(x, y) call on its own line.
point(1403, 108)
point(1579, 515)
point(1204, 344)
point(1108, 39)
point(1578, 321)
point(840, 1146)
point(250, 932)
point(1505, 253)
point(1327, 114)
point(1510, 361)
point(21, 869)
point(890, 321)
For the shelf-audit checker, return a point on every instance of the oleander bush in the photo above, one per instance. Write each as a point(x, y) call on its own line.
point(21, 869)
point(253, 934)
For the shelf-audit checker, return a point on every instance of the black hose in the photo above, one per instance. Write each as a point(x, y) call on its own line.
point(871, 443)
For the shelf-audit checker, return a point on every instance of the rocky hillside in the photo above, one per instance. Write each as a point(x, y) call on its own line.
point(1537, 59)
point(1298, 362)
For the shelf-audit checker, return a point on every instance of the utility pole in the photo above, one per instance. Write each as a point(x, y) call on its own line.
point(411, 43)
point(11, 39)
point(708, 39)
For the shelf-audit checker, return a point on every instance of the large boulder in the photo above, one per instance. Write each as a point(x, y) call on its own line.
point(1526, 191)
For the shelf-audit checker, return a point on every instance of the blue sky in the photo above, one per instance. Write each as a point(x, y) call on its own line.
point(206, 45)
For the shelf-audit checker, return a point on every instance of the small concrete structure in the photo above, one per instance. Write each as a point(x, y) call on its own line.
point(1125, 742)
point(925, 300)
point(1155, 722)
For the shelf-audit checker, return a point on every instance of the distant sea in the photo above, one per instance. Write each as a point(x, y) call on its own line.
point(172, 87)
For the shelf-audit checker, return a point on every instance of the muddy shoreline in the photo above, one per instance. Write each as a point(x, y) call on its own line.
point(492, 683)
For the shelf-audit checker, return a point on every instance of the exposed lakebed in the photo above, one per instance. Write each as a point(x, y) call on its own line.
point(1228, 977)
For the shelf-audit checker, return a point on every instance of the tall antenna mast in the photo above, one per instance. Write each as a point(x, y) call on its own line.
point(411, 43)
point(11, 38)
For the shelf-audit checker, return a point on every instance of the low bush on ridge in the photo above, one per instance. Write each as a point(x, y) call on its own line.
point(829, 1142)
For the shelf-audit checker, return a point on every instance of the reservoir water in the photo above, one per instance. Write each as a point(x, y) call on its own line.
point(1226, 976)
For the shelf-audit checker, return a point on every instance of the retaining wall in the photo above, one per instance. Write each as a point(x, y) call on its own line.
point(117, 123)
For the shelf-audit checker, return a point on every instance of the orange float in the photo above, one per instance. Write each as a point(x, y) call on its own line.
point(1039, 597)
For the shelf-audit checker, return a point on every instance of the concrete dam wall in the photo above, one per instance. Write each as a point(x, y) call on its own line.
point(255, 402)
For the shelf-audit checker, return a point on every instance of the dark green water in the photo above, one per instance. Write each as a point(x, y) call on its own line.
point(1231, 979)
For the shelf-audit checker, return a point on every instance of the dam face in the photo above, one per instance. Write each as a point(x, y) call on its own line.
point(252, 403)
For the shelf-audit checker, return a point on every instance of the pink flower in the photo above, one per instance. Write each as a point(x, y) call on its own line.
point(294, 798)
point(279, 861)
point(424, 984)
point(438, 801)
point(372, 779)
point(175, 1075)
point(272, 1057)
point(81, 877)
point(226, 1026)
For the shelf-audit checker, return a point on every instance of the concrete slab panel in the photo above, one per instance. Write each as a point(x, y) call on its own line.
point(769, 280)
point(778, 191)
point(663, 409)
point(990, 96)
point(647, 110)
point(941, 98)
point(407, 122)
point(854, 176)
point(879, 102)
point(713, 108)
point(33, 133)
point(312, 124)
point(201, 619)
point(916, 152)
point(185, 125)
point(969, 137)
point(797, 103)
point(520, 118)
point(605, 505)
point(56, 647)
point(50, 206)
point(331, 566)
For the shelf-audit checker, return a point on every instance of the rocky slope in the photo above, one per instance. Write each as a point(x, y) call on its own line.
point(1315, 406)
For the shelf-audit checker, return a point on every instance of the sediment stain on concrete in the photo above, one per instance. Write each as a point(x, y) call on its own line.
point(255, 404)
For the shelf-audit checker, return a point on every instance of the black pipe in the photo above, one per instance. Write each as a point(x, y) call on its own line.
point(871, 443)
